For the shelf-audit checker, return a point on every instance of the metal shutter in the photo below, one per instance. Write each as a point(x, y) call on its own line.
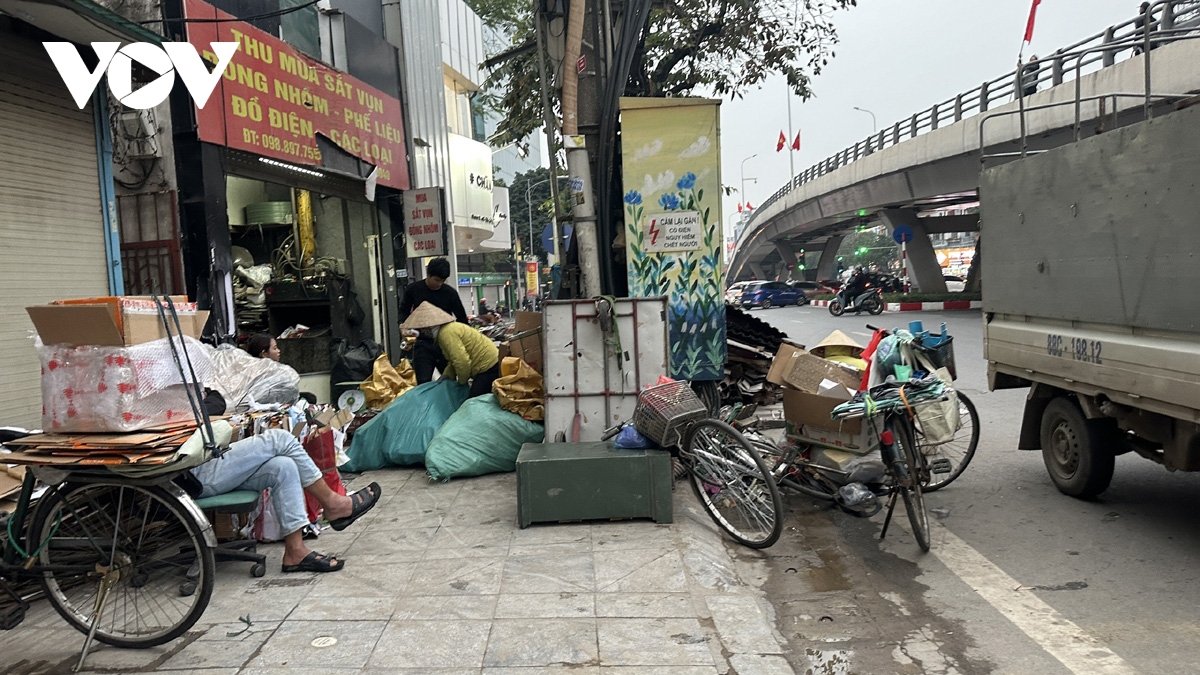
point(51, 233)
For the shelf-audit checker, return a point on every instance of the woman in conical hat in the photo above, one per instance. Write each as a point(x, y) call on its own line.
point(472, 357)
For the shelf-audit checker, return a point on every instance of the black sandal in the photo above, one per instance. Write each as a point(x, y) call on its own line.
point(361, 501)
point(316, 562)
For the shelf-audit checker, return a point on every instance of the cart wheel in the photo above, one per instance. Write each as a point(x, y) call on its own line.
point(258, 570)
point(560, 437)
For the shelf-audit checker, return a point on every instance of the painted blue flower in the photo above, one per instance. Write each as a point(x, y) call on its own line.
point(669, 201)
point(687, 182)
point(633, 198)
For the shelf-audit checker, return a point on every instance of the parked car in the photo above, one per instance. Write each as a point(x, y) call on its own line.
point(733, 294)
point(835, 284)
point(767, 294)
point(813, 288)
point(955, 284)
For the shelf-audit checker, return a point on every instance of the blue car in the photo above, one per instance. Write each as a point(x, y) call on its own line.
point(766, 294)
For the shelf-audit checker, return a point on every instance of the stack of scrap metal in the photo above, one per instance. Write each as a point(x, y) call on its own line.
point(752, 344)
point(156, 445)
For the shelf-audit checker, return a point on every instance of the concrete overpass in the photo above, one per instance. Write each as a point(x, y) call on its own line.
point(928, 165)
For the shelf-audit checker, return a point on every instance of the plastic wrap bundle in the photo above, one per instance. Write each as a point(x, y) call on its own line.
point(242, 379)
point(98, 389)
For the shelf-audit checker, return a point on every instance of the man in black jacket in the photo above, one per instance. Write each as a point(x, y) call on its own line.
point(432, 289)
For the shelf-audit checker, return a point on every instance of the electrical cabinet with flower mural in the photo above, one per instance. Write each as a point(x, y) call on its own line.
point(671, 162)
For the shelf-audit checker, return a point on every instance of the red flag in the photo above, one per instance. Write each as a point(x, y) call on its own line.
point(739, 207)
point(796, 143)
point(1032, 18)
point(748, 207)
point(782, 142)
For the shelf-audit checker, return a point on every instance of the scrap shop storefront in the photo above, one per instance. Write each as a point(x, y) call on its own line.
point(291, 207)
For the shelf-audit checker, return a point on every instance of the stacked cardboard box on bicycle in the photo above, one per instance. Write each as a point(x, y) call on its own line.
point(107, 367)
point(812, 387)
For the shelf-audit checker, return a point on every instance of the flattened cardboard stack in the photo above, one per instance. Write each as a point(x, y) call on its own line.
point(813, 387)
point(156, 445)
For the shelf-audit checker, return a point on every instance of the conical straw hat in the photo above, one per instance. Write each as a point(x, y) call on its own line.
point(836, 339)
point(426, 316)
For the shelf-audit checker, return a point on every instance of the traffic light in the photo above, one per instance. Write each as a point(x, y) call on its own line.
point(861, 250)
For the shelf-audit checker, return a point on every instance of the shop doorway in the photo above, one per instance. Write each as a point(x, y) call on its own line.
point(150, 255)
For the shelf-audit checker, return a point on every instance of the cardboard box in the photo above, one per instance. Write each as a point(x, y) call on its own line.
point(798, 369)
point(859, 444)
point(526, 321)
point(812, 411)
point(527, 347)
point(110, 321)
point(11, 477)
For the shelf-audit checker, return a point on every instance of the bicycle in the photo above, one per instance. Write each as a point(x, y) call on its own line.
point(730, 479)
point(909, 469)
point(126, 561)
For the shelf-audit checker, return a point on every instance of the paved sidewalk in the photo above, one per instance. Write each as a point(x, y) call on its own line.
point(439, 579)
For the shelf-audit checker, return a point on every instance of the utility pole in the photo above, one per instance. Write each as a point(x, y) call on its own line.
point(791, 153)
point(584, 204)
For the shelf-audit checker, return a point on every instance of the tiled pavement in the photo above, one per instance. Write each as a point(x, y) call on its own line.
point(439, 579)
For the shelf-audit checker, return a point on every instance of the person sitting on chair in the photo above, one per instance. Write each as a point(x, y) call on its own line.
point(469, 354)
point(275, 459)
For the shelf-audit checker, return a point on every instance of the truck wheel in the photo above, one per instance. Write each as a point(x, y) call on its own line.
point(1074, 448)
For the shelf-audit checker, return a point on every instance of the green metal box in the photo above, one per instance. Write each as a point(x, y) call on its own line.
point(592, 480)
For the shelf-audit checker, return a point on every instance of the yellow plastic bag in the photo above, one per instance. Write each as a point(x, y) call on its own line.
point(520, 390)
point(387, 383)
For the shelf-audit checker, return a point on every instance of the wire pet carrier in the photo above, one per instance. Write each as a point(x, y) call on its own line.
point(662, 410)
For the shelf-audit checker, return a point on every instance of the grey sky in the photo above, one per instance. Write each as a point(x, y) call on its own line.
point(895, 58)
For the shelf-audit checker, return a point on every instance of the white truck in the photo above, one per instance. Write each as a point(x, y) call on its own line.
point(1091, 297)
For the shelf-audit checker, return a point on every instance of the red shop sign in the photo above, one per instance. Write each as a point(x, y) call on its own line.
point(274, 100)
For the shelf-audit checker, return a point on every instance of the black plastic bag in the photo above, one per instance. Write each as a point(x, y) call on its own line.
point(350, 364)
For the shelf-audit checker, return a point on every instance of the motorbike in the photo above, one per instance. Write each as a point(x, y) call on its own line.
point(870, 300)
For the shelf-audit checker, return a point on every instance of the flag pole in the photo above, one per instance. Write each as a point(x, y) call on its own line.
point(791, 157)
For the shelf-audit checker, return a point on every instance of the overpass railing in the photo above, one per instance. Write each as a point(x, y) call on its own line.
point(1119, 42)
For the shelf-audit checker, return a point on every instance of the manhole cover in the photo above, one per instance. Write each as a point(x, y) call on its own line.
point(324, 642)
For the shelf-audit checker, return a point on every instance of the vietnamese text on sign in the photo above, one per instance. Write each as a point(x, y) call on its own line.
point(674, 231)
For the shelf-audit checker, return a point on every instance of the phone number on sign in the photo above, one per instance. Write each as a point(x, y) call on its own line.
point(1078, 349)
point(277, 144)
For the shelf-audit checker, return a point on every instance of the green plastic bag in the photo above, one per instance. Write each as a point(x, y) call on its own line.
point(399, 435)
point(480, 438)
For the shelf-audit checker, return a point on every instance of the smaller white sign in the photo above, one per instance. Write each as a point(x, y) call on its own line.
point(674, 231)
point(424, 223)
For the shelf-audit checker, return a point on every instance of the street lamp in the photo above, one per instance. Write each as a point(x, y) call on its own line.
point(874, 126)
point(743, 172)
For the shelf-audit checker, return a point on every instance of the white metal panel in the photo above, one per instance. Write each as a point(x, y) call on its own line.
point(51, 226)
point(582, 378)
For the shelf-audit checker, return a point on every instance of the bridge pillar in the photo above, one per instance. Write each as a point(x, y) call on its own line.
point(788, 255)
point(760, 274)
point(923, 269)
point(827, 265)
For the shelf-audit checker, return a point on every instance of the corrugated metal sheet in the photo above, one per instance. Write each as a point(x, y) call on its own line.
point(462, 41)
point(425, 97)
point(51, 231)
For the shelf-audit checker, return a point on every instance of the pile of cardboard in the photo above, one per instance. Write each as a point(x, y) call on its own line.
point(812, 388)
point(525, 343)
point(156, 445)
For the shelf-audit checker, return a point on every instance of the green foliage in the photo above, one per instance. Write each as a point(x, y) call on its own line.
point(869, 247)
point(691, 47)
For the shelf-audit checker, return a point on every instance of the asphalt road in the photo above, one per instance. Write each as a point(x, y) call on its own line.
point(1021, 578)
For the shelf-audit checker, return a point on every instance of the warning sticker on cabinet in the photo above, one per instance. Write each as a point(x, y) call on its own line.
point(674, 231)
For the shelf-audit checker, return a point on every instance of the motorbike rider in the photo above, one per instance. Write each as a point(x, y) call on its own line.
point(855, 286)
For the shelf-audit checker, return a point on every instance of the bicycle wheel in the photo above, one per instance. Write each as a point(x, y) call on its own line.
point(151, 547)
point(733, 483)
point(957, 452)
point(909, 469)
